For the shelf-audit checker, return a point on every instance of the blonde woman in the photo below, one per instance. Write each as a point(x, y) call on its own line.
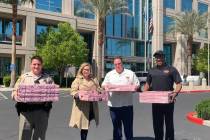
point(82, 111)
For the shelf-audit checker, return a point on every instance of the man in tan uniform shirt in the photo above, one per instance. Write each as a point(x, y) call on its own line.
point(33, 117)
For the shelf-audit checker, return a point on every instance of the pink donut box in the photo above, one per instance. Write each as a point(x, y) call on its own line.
point(93, 95)
point(123, 88)
point(38, 93)
point(155, 97)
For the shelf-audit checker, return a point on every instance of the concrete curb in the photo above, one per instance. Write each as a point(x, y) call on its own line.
point(195, 91)
point(192, 117)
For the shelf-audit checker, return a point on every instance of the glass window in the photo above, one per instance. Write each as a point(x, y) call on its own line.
point(126, 26)
point(109, 25)
point(137, 19)
point(167, 22)
point(6, 31)
point(130, 27)
point(5, 66)
point(202, 8)
point(140, 49)
point(116, 47)
point(186, 5)
point(169, 4)
point(49, 5)
point(118, 25)
point(167, 49)
point(83, 10)
point(41, 28)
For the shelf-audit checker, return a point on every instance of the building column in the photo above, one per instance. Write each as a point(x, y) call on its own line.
point(157, 38)
point(27, 62)
point(95, 54)
point(178, 5)
point(180, 59)
point(195, 5)
point(29, 31)
point(68, 7)
point(29, 39)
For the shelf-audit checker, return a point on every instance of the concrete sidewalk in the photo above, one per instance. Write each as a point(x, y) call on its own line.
point(195, 89)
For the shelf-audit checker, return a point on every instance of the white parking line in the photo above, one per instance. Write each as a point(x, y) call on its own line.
point(5, 97)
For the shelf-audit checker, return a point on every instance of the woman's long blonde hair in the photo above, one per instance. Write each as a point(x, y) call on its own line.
point(79, 73)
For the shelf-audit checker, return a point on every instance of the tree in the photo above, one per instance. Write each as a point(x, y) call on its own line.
point(189, 23)
point(14, 4)
point(62, 47)
point(201, 60)
point(102, 8)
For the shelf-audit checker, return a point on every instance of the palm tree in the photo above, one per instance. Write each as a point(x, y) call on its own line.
point(14, 4)
point(189, 23)
point(102, 8)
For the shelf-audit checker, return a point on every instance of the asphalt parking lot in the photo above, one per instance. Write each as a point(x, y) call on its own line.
point(58, 123)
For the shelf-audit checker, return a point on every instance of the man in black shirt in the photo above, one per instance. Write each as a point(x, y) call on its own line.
point(162, 78)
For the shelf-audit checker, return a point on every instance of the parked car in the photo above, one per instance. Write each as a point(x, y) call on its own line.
point(142, 76)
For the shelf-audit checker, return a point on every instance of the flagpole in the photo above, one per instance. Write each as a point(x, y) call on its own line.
point(145, 35)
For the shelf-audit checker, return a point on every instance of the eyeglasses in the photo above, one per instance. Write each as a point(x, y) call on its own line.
point(86, 69)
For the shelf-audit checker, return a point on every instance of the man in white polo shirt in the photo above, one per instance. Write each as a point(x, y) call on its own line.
point(121, 104)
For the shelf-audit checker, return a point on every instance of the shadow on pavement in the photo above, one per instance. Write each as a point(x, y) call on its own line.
point(143, 138)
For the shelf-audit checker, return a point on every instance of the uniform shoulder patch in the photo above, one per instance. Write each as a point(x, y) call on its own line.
point(26, 74)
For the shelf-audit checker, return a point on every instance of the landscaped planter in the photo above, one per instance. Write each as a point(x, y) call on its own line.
point(192, 117)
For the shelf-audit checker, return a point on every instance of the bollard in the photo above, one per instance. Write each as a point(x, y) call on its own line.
point(204, 83)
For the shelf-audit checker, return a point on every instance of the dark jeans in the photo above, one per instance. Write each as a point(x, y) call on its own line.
point(83, 134)
point(163, 113)
point(122, 116)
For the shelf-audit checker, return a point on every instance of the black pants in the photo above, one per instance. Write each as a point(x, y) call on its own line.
point(84, 132)
point(122, 116)
point(163, 113)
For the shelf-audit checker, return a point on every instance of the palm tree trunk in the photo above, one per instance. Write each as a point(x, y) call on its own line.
point(13, 55)
point(189, 55)
point(101, 23)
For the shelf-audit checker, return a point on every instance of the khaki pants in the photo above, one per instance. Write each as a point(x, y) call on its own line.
point(33, 125)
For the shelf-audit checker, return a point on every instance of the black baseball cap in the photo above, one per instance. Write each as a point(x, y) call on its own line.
point(159, 53)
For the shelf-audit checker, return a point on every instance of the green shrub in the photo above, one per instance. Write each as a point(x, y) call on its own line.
point(203, 109)
point(6, 80)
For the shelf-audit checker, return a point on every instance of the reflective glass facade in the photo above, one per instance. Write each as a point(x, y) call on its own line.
point(167, 49)
point(203, 8)
point(125, 34)
point(82, 10)
point(167, 22)
point(186, 5)
point(117, 47)
point(169, 4)
point(6, 31)
point(40, 28)
point(49, 5)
